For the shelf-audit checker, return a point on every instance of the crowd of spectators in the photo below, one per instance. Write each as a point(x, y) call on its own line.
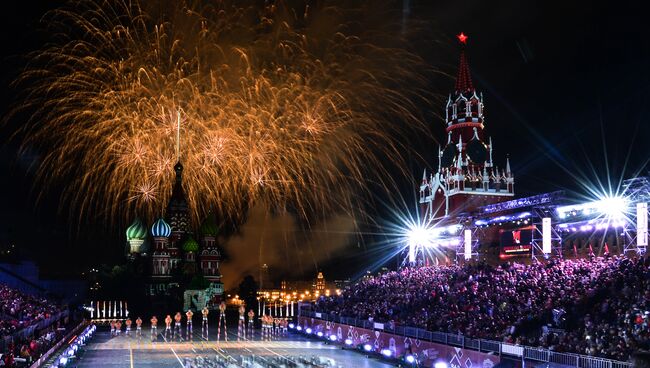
point(19, 310)
point(596, 306)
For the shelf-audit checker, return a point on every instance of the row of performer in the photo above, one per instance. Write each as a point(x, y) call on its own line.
point(270, 325)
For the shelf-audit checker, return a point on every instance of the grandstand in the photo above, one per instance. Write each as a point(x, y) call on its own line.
point(596, 307)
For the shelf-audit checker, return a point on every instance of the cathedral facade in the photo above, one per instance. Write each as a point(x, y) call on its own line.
point(174, 256)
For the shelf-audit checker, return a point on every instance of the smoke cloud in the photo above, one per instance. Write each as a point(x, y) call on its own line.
point(286, 247)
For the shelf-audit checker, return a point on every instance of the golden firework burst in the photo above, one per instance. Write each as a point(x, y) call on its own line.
point(286, 105)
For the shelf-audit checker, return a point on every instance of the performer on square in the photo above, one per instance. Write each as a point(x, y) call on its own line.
point(154, 328)
point(168, 326)
point(128, 326)
point(276, 324)
point(222, 319)
point(112, 328)
point(118, 327)
point(138, 327)
point(204, 324)
point(189, 314)
point(251, 322)
point(241, 326)
point(178, 332)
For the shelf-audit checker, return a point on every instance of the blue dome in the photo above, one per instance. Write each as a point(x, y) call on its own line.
point(161, 229)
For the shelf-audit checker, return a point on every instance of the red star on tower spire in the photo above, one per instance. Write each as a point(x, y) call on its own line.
point(464, 78)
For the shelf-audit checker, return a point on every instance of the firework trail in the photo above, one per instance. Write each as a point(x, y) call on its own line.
point(291, 106)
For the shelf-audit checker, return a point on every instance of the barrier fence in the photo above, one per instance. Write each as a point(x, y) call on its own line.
point(487, 346)
point(48, 355)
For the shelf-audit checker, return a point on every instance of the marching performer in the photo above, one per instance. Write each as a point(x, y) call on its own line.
point(241, 326)
point(112, 328)
point(276, 324)
point(285, 325)
point(154, 328)
point(138, 327)
point(128, 326)
point(118, 327)
point(177, 326)
point(189, 314)
point(222, 318)
point(168, 325)
point(251, 321)
point(204, 325)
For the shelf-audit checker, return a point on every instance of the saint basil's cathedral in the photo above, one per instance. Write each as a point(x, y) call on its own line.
point(174, 252)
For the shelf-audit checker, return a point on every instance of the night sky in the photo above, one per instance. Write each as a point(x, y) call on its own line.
point(566, 86)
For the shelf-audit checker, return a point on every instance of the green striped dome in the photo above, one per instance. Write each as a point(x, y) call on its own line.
point(137, 230)
point(209, 226)
point(190, 245)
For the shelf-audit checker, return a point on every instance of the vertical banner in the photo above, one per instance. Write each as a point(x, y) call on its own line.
point(468, 244)
point(642, 224)
point(546, 235)
point(411, 251)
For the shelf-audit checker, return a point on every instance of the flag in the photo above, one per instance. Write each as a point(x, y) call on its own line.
point(575, 249)
point(591, 250)
point(606, 248)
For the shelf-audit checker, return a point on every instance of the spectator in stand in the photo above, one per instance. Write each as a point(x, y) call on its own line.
point(606, 300)
point(19, 310)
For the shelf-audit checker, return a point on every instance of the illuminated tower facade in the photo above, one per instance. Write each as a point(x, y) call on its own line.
point(178, 217)
point(466, 176)
point(319, 287)
point(161, 264)
point(209, 256)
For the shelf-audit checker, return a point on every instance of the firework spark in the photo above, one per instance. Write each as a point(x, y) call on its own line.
point(288, 106)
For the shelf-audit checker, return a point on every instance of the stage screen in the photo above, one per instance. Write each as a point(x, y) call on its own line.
point(516, 242)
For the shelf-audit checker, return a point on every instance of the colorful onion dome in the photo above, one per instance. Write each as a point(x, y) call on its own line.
point(209, 226)
point(137, 230)
point(190, 245)
point(161, 229)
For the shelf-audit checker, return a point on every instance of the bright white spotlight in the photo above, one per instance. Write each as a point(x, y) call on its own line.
point(319, 334)
point(410, 359)
point(348, 342)
point(367, 347)
point(299, 328)
point(333, 337)
point(308, 330)
point(440, 365)
point(63, 361)
point(419, 235)
point(291, 325)
point(386, 352)
point(612, 207)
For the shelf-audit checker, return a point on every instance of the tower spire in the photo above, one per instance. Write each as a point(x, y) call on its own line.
point(464, 77)
point(178, 136)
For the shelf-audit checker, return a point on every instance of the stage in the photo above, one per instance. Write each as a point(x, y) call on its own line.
point(123, 351)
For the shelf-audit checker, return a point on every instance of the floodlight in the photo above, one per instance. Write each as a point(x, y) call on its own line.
point(440, 365)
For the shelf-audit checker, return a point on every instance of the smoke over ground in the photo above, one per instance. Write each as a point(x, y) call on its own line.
point(281, 243)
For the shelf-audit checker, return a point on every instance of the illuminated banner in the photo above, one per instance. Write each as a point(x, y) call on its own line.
point(546, 235)
point(468, 244)
point(642, 224)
